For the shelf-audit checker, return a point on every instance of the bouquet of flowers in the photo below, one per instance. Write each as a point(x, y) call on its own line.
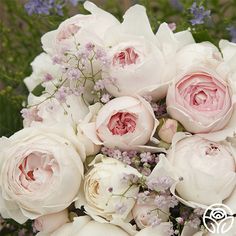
point(126, 132)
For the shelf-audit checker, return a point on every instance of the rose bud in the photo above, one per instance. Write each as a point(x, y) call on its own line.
point(168, 128)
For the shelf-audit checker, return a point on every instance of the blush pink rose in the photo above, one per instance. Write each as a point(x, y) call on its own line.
point(122, 123)
point(50, 223)
point(125, 57)
point(143, 213)
point(35, 163)
point(201, 101)
point(168, 130)
point(125, 122)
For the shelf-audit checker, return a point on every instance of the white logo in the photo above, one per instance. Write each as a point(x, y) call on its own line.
point(218, 219)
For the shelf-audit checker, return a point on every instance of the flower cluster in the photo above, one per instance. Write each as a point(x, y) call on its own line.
point(46, 7)
point(200, 15)
point(134, 130)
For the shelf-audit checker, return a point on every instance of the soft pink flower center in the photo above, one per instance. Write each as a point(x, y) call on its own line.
point(122, 123)
point(36, 170)
point(203, 93)
point(67, 32)
point(125, 57)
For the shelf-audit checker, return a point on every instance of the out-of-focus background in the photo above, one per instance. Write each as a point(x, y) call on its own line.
point(23, 22)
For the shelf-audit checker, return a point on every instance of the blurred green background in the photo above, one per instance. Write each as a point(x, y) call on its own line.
point(20, 43)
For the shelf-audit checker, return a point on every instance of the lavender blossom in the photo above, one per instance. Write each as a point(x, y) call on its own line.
point(154, 220)
point(159, 109)
point(47, 77)
point(131, 178)
point(162, 201)
point(89, 46)
point(120, 208)
point(46, 7)
point(62, 93)
point(99, 85)
point(38, 7)
point(78, 91)
point(143, 197)
point(73, 74)
point(232, 31)
point(75, 2)
point(199, 14)
point(161, 183)
point(146, 157)
point(177, 5)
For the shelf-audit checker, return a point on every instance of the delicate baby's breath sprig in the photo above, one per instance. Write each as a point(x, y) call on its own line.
point(81, 76)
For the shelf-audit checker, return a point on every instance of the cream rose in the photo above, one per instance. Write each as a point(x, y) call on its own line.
point(202, 97)
point(138, 58)
point(206, 170)
point(124, 122)
point(109, 189)
point(79, 29)
point(84, 226)
point(34, 165)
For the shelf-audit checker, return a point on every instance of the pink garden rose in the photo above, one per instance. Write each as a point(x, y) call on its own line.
point(201, 101)
point(144, 213)
point(125, 122)
point(34, 165)
point(140, 61)
point(122, 123)
point(128, 56)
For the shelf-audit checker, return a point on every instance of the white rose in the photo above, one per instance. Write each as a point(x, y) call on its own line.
point(50, 111)
point(79, 29)
point(160, 230)
point(138, 58)
point(107, 190)
point(49, 223)
point(84, 226)
point(43, 111)
point(44, 72)
point(124, 122)
point(34, 165)
point(207, 170)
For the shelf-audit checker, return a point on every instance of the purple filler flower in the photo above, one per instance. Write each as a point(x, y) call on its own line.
point(46, 6)
point(177, 5)
point(38, 7)
point(232, 31)
point(199, 14)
